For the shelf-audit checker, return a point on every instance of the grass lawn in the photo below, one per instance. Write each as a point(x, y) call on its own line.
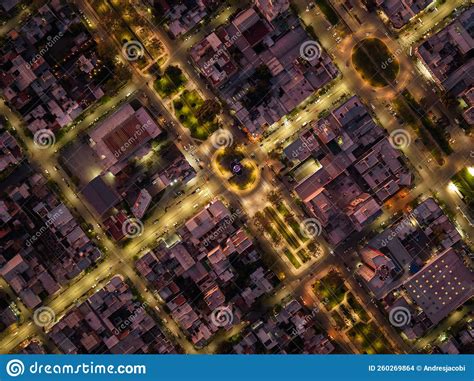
point(374, 62)
point(327, 10)
point(273, 233)
point(263, 221)
point(345, 312)
point(340, 323)
point(464, 180)
point(290, 238)
point(283, 210)
point(358, 309)
point(369, 338)
point(165, 87)
point(172, 81)
point(303, 255)
point(225, 158)
point(185, 110)
point(292, 259)
point(330, 289)
point(404, 110)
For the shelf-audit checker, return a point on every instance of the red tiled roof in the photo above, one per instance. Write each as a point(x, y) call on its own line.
point(124, 139)
point(114, 225)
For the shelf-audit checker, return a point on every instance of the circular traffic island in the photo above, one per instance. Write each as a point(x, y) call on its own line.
point(240, 172)
point(245, 176)
point(228, 158)
point(374, 62)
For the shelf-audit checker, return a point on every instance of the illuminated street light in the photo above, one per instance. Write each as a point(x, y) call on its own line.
point(453, 188)
point(470, 170)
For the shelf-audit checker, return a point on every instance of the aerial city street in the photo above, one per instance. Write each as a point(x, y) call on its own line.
point(236, 177)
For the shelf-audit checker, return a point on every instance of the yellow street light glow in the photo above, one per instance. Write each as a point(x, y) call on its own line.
point(452, 187)
point(470, 170)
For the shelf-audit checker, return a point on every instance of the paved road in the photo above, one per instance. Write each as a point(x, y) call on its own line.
point(121, 259)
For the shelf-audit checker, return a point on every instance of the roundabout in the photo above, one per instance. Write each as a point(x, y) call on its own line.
point(241, 174)
point(374, 62)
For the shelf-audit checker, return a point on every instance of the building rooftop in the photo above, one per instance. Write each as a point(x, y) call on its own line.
point(101, 196)
point(400, 12)
point(122, 134)
point(446, 54)
point(442, 285)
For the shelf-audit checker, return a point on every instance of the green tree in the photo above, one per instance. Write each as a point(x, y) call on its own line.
point(208, 111)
